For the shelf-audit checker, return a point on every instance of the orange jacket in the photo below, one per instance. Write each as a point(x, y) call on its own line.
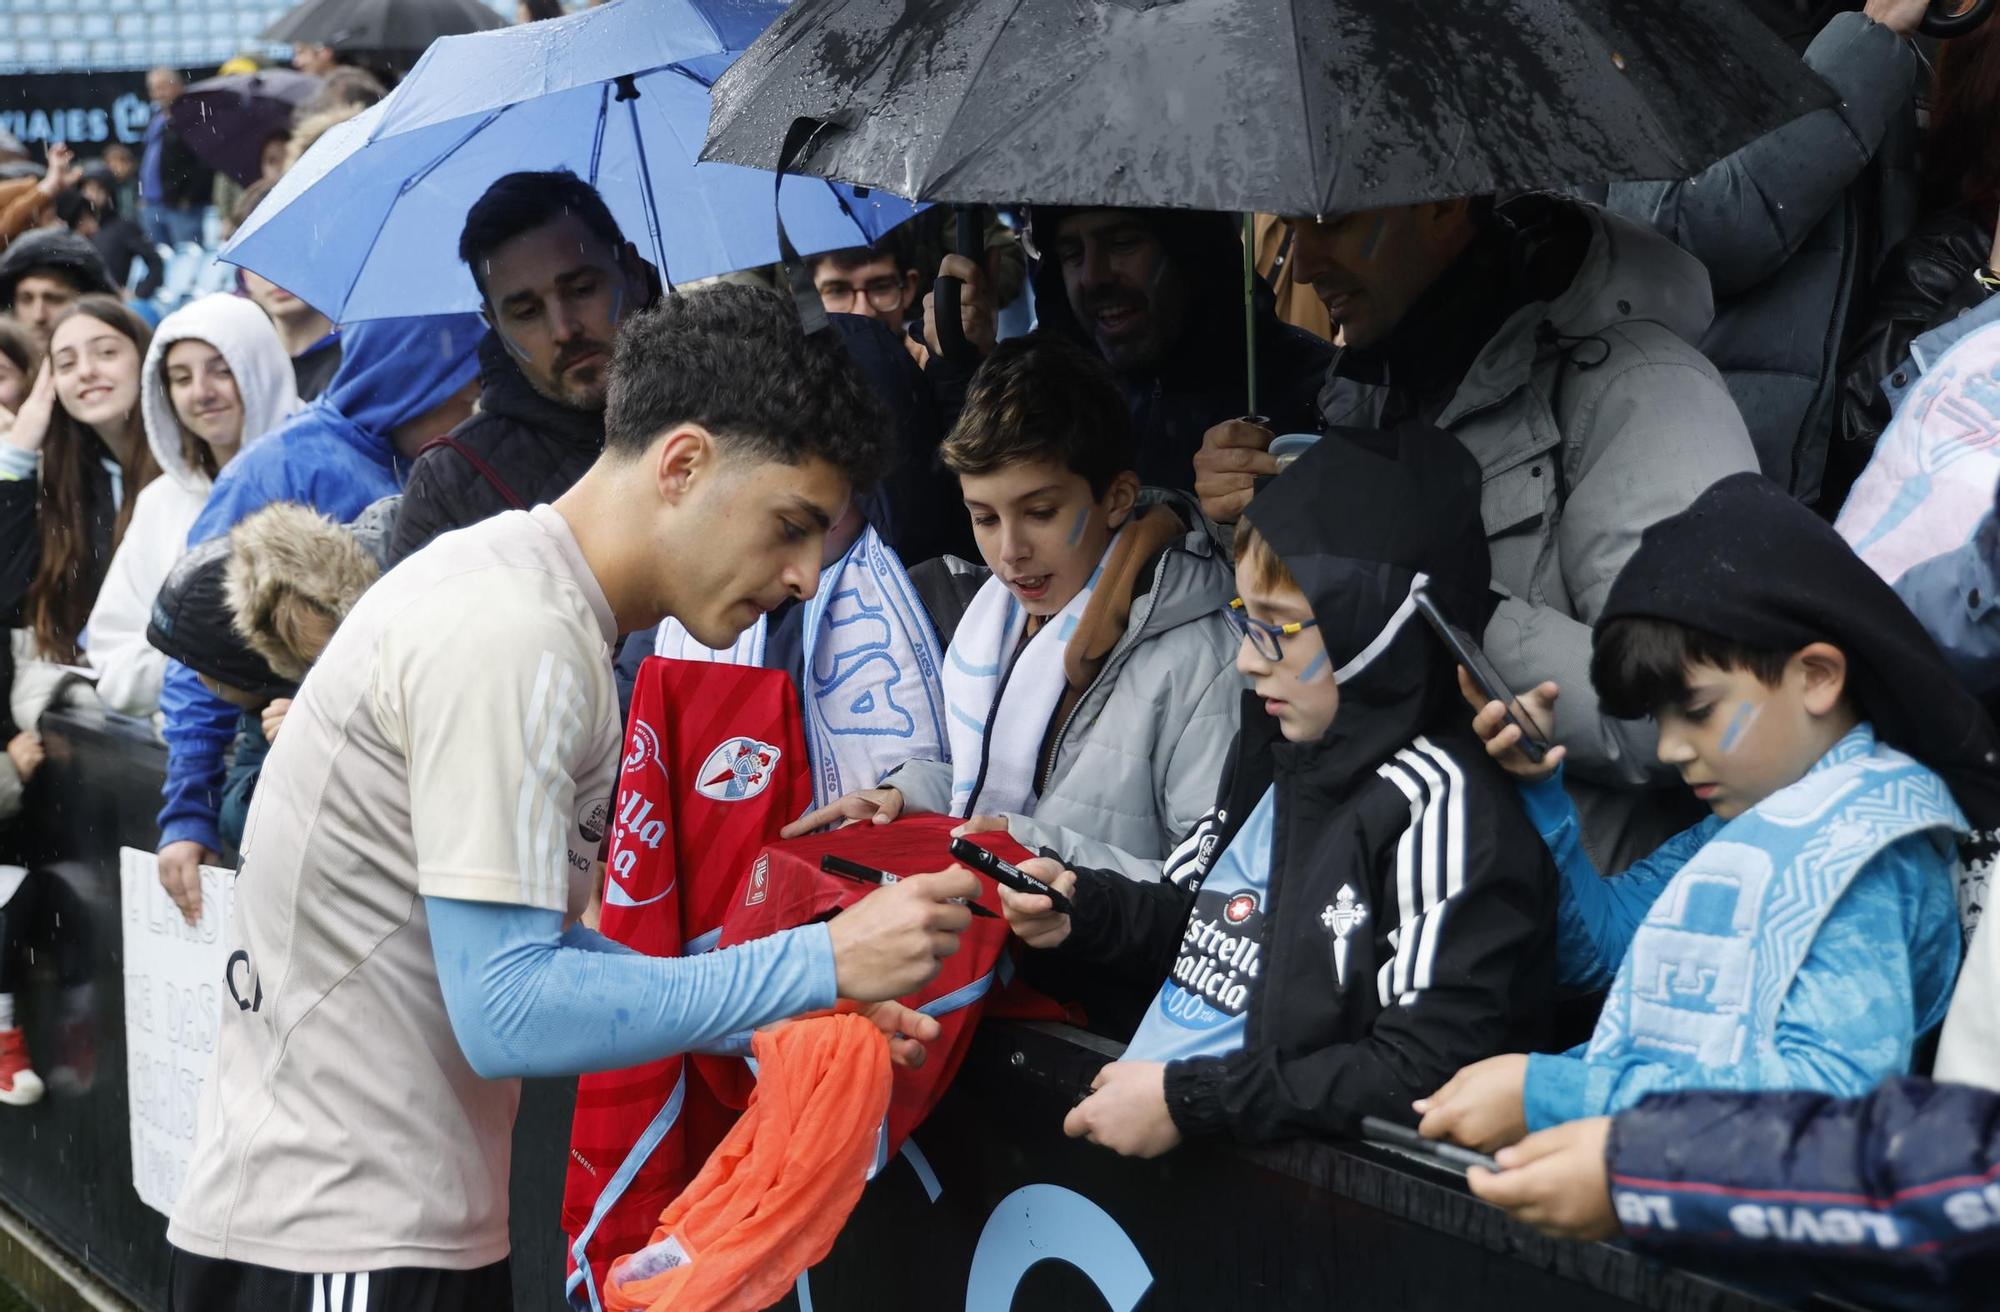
point(774, 1195)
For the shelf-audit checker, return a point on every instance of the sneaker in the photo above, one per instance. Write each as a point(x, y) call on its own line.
point(19, 1085)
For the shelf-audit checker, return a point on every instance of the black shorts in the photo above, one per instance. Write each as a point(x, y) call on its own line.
point(203, 1284)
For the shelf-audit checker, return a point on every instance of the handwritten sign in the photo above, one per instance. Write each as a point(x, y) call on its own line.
point(173, 1008)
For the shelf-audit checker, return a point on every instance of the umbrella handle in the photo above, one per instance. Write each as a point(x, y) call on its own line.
point(1942, 22)
point(950, 330)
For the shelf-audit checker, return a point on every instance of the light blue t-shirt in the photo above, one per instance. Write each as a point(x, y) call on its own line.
point(1202, 1008)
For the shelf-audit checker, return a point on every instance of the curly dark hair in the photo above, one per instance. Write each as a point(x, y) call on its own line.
point(736, 361)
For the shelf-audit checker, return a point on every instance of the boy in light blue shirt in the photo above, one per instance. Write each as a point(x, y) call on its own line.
point(1806, 934)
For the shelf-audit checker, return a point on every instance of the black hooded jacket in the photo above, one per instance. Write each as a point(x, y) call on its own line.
point(1394, 831)
point(534, 447)
point(1201, 383)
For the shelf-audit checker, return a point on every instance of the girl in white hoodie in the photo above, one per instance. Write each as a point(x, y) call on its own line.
point(216, 379)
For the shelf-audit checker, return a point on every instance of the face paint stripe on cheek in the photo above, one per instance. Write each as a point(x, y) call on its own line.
point(1082, 522)
point(1314, 668)
point(1374, 237)
point(1739, 724)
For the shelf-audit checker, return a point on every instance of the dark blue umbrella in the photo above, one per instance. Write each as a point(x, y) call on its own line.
point(366, 225)
point(227, 120)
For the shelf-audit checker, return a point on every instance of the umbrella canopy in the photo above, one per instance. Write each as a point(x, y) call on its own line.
point(227, 120)
point(1284, 106)
point(388, 26)
point(366, 226)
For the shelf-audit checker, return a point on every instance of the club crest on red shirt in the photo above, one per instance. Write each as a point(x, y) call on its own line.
point(737, 770)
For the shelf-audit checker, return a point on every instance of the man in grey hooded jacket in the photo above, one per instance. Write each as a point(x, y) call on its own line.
point(1553, 340)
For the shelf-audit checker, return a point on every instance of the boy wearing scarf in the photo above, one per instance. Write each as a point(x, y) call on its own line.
point(1807, 933)
point(1088, 690)
point(1364, 909)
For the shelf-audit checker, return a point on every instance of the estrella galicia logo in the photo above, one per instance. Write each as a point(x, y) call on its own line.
point(1220, 959)
point(737, 770)
point(593, 819)
point(644, 747)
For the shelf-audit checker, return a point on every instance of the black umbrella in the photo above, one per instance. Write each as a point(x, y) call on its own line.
point(227, 120)
point(393, 27)
point(1285, 106)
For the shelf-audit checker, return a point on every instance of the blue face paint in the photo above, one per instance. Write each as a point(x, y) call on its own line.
point(1082, 522)
point(1313, 667)
point(512, 349)
point(1739, 724)
point(1374, 237)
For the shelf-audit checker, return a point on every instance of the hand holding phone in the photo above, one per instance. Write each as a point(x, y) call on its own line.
point(1006, 872)
point(1534, 742)
point(1376, 1130)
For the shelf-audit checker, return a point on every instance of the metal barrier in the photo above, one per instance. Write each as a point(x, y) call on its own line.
point(969, 1217)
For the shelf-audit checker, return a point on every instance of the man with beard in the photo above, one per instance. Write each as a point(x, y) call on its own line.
point(557, 277)
point(1159, 295)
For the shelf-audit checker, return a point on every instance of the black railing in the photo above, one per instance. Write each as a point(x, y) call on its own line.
point(992, 1210)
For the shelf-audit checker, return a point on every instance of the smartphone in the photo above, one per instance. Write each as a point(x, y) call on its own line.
point(1535, 743)
point(840, 865)
point(1006, 872)
point(1376, 1130)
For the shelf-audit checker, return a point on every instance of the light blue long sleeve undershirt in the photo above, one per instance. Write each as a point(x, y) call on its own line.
point(528, 998)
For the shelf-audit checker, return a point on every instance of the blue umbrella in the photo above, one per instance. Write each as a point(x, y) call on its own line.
point(366, 225)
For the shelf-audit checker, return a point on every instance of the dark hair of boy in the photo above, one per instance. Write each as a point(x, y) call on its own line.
point(891, 246)
point(1639, 664)
point(736, 361)
point(1043, 398)
point(523, 202)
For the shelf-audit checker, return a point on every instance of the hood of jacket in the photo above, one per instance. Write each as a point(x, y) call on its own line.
point(505, 391)
point(1165, 570)
point(1626, 273)
point(53, 248)
point(1361, 520)
point(395, 370)
point(1188, 578)
point(243, 335)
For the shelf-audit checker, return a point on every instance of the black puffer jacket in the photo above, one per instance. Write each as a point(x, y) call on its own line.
point(1927, 280)
point(1202, 382)
point(537, 447)
point(1408, 928)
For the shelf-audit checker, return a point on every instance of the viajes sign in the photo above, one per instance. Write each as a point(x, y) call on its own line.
point(88, 110)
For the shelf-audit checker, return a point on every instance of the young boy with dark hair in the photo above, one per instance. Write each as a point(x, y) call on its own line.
point(1806, 934)
point(1087, 688)
point(1364, 909)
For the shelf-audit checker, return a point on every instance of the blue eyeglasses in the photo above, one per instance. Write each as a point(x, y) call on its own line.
point(1268, 639)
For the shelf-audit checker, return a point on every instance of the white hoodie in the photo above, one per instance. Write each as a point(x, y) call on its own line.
point(129, 668)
